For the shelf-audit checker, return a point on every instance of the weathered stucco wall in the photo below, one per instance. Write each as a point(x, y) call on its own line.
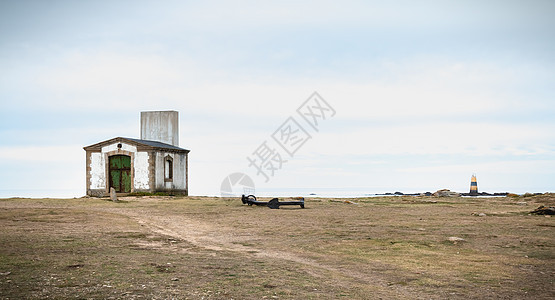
point(141, 171)
point(98, 171)
point(161, 126)
point(178, 181)
point(114, 147)
point(98, 176)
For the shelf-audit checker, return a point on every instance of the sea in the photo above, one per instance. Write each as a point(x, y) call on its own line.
point(268, 192)
point(350, 192)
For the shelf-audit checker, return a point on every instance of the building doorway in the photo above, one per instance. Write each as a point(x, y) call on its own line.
point(120, 173)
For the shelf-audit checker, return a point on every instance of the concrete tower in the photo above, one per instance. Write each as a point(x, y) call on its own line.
point(473, 186)
point(160, 126)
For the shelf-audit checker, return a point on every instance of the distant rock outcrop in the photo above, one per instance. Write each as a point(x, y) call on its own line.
point(485, 194)
point(446, 193)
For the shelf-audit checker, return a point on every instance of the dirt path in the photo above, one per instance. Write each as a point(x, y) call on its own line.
point(217, 238)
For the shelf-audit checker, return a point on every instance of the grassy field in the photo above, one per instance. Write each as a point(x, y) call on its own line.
point(211, 248)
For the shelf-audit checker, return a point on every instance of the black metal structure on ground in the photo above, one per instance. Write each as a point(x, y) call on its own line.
point(273, 204)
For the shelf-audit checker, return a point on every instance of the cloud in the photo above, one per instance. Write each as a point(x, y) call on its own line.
point(422, 84)
point(440, 137)
point(399, 14)
point(94, 80)
point(38, 154)
point(519, 167)
point(42, 171)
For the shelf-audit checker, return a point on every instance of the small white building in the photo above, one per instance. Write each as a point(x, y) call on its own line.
point(153, 163)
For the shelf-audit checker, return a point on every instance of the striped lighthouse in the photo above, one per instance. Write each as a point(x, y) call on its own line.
point(473, 186)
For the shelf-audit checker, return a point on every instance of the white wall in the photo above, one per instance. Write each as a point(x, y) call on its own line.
point(140, 163)
point(178, 181)
point(98, 171)
point(98, 167)
point(161, 126)
point(114, 147)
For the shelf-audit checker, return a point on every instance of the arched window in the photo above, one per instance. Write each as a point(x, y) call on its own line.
point(168, 168)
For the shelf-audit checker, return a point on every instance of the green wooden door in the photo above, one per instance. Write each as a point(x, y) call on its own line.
point(120, 173)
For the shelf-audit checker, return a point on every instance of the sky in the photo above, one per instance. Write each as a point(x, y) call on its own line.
point(425, 93)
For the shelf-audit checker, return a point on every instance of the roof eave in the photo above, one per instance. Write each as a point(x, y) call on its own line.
point(140, 146)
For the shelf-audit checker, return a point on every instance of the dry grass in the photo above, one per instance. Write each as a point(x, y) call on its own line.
point(199, 248)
